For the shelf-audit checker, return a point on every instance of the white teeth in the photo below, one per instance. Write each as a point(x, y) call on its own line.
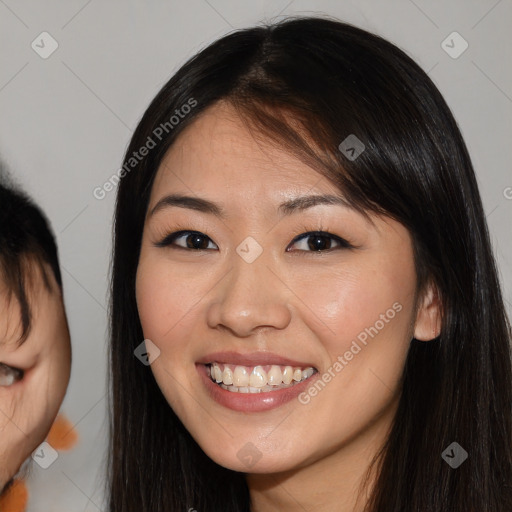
point(258, 377)
point(249, 389)
point(217, 374)
point(275, 377)
point(288, 375)
point(308, 372)
point(227, 376)
point(243, 380)
point(240, 377)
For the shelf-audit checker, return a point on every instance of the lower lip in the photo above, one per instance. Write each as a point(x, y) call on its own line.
point(252, 402)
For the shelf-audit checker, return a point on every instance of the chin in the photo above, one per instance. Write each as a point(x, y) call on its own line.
point(247, 457)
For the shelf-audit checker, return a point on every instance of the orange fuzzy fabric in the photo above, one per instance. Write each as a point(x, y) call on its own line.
point(15, 499)
point(62, 436)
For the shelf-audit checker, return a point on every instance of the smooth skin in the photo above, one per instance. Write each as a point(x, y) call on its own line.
point(292, 301)
point(29, 406)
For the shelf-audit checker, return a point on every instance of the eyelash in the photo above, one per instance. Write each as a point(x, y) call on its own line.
point(169, 240)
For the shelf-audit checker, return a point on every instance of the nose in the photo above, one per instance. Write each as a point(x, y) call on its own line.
point(249, 299)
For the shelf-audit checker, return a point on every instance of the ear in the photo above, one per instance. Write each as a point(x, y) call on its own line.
point(428, 315)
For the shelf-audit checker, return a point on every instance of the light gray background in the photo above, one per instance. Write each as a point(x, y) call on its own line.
point(66, 121)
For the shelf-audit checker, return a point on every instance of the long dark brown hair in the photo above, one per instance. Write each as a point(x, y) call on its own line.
point(307, 84)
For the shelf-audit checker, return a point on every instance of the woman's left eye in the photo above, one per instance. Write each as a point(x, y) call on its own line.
point(319, 241)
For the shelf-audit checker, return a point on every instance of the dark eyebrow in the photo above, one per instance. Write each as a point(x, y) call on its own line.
point(287, 208)
point(192, 203)
point(305, 202)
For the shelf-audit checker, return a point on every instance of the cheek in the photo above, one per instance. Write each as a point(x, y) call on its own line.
point(345, 303)
point(155, 302)
point(7, 406)
point(366, 311)
point(166, 299)
point(60, 359)
point(59, 372)
point(165, 302)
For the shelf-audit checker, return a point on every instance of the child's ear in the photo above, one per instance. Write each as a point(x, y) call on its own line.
point(428, 315)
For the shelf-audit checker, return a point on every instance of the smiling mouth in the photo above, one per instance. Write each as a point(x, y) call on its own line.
point(257, 379)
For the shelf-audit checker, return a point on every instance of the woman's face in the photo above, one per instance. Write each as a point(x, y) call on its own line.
point(28, 406)
point(252, 300)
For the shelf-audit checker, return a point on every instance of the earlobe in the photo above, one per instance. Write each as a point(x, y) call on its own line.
point(428, 315)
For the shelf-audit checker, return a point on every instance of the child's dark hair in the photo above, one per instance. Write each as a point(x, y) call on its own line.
point(25, 238)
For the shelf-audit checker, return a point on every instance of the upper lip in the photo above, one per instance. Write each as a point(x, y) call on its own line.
point(251, 359)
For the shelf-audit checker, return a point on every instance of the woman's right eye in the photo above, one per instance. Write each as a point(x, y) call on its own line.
point(189, 240)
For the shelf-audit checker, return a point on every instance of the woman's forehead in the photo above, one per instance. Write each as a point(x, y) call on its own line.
point(220, 133)
point(219, 150)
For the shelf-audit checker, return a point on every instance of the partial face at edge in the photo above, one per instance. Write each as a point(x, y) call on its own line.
point(29, 406)
point(312, 308)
